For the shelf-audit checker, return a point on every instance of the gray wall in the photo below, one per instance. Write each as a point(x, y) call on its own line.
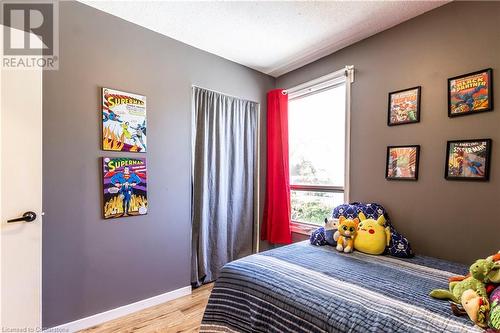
point(91, 265)
point(452, 220)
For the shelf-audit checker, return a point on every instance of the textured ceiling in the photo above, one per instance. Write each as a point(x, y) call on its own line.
point(273, 37)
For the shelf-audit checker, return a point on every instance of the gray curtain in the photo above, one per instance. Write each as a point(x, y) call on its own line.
point(224, 168)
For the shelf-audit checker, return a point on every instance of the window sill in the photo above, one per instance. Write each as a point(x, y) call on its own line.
point(303, 228)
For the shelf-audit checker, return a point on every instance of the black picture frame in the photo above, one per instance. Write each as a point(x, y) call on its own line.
point(390, 122)
point(388, 176)
point(487, 161)
point(489, 73)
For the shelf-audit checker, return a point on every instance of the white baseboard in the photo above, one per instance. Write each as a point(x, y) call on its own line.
point(121, 311)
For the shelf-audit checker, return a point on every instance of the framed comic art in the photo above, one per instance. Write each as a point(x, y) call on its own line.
point(123, 121)
point(404, 106)
point(468, 160)
point(402, 162)
point(125, 190)
point(470, 93)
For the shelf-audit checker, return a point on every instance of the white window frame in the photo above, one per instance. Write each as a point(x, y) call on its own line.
point(329, 81)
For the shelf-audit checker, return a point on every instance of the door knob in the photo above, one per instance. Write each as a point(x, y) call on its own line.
point(27, 217)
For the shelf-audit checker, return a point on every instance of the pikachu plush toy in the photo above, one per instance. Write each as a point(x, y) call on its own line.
point(372, 236)
point(346, 234)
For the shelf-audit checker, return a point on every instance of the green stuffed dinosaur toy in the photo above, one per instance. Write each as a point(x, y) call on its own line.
point(482, 271)
point(457, 288)
point(486, 270)
point(471, 292)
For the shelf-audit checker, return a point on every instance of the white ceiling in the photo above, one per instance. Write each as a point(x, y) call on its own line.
point(273, 37)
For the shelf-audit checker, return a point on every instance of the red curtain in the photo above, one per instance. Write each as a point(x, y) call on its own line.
point(276, 220)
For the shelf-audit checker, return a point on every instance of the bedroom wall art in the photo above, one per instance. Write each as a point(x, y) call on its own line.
point(470, 93)
point(402, 162)
point(404, 106)
point(468, 160)
point(124, 187)
point(123, 121)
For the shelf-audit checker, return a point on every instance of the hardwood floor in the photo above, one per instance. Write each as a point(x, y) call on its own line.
point(181, 315)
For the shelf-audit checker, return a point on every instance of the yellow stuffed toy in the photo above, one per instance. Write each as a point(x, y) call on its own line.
point(372, 236)
point(346, 234)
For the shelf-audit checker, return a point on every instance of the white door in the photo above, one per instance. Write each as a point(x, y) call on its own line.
point(21, 192)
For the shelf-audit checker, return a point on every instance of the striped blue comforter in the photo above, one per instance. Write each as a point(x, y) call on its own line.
point(303, 288)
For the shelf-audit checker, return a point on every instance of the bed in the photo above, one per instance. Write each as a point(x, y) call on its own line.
point(304, 288)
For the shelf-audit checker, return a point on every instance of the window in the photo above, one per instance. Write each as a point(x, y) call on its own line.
point(317, 132)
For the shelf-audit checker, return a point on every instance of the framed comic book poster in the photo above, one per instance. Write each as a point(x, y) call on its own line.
point(468, 160)
point(124, 186)
point(404, 106)
point(470, 93)
point(123, 121)
point(402, 162)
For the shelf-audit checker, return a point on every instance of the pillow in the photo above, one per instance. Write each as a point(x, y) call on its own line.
point(351, 211)
point(399, 245)
point(318, 237)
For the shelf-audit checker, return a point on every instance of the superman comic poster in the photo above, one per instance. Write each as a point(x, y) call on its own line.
point(125, 187)
point(123, 121)
point(470, 93)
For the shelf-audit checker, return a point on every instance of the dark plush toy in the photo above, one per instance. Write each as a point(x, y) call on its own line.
point(331, 227)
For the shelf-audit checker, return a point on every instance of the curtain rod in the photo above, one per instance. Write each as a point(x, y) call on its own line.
point(221, 93)
point(341, 72)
